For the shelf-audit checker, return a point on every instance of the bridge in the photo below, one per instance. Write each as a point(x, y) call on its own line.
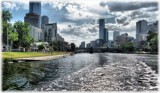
point(98, 50)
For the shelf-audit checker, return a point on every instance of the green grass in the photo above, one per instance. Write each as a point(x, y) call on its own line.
point(28, 54)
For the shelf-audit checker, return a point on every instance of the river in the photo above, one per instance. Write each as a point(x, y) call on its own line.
point(85, 72)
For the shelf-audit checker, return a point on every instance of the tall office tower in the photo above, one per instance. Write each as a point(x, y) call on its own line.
point(115, 34)
point(44, 20)
point(141, 30)
point(101, 28)
point(105, 35)
point(32, 19)
point(50, 32)
point(35, 7)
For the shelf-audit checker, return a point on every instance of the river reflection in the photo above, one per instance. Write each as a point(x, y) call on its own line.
point(27, 75)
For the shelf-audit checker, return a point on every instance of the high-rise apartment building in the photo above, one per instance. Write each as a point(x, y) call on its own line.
point(141, 30)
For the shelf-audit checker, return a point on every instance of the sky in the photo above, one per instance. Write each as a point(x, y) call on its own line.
point(77, 20)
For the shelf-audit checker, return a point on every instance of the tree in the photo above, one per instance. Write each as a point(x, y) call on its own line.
point(6, 17)
point(73, 46)
point(154, 44)
point(13, 36)
point(150, 35)
point(54, 46)
point(152, 38)
point(128, 47)
point(41, 47)
point(24, 36)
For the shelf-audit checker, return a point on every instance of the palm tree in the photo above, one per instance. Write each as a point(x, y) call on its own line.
point(6, 16)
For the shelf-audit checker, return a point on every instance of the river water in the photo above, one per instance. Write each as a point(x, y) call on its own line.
point(85, 72)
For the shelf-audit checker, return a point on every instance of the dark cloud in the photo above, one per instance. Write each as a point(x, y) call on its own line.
point(122, 20)
point(126, 6)
point(81, 31)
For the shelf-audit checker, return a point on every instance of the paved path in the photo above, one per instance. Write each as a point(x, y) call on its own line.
point(43, 58)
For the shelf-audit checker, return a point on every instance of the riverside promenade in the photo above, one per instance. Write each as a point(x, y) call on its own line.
point(43, 58)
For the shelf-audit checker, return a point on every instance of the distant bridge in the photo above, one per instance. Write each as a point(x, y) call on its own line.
point(98, 50)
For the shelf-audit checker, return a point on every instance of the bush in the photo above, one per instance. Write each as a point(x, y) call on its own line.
point(41, 47)
point(128, 47)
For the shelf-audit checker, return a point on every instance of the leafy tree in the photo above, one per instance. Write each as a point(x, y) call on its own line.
point(13, 36)
point(54, 46)
point(24, 36)
point(128, 47)
point(152, 38)
point(150, 35)
point(41, 47)
point(154, 44)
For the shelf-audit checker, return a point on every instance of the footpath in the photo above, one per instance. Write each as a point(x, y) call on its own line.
point(43, 58)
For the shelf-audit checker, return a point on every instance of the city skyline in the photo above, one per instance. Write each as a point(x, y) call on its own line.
point(78, 21)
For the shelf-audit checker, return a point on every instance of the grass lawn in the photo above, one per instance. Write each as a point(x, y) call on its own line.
point(28, 54)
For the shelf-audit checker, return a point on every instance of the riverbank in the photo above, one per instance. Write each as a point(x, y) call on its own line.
point(32, 56)
point(43, 58)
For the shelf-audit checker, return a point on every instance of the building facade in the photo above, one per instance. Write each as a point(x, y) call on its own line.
point(36, 33)
point(60, 38)
point(82, 44)
point(115, 35)
point(141, 30)
point(105, 35)
point(50, 32)
point(35, 7)
point(123, 38)
point(32, 19)
point(44, 20)
point(153, 27)
point(101, 28)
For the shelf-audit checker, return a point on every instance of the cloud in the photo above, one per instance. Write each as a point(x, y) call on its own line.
point(15, 5)
point(126, 6)
point(9, 5)
point(123, 20)
point(76, 12)
point(78, 19)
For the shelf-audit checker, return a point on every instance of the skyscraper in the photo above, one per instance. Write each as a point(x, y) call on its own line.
point(44, 20)
point(141, 30)
point(50, 33)
point(105, 35)
point(101, 28)
point(35, 7)
point(32, 19)
point(115, 34)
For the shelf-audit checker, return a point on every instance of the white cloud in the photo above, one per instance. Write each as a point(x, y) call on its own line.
point(79, 18)
point(9, 5)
